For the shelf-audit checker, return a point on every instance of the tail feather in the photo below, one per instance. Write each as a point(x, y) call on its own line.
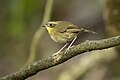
point(89, 31)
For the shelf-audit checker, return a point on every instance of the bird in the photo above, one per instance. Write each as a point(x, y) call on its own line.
point(64, 32)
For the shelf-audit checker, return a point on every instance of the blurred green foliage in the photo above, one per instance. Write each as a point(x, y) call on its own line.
point(18, 21)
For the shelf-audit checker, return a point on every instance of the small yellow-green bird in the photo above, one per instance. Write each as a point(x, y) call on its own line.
point(64, 32)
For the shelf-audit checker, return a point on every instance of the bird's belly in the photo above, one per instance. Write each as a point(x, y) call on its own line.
point(63, 38)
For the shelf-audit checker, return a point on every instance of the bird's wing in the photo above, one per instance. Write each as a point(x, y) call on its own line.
point(70, 28)
point(73, 29)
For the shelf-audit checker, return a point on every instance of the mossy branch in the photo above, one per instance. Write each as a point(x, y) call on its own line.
point(59, 58)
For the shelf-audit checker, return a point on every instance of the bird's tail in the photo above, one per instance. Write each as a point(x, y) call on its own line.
point(89, 31)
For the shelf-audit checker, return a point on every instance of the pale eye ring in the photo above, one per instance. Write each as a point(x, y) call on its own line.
point(51, 25)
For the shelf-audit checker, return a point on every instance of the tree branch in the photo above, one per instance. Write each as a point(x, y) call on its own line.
point(56, 59)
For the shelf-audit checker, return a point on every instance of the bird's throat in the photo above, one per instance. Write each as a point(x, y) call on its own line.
point(49, 29)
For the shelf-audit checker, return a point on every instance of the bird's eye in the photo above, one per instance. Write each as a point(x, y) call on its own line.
point(50, 25)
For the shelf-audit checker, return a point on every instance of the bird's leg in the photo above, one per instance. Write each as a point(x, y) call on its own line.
point(66, 45)
point(61, 49)
point(71, 43)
